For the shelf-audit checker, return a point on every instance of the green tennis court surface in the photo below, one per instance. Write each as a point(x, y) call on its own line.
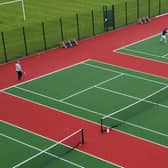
point(150, 48)
point(130, 101)
point(23, 149)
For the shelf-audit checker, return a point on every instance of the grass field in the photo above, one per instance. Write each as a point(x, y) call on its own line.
point(93, 90)
point(49, 12)
point(37, 11)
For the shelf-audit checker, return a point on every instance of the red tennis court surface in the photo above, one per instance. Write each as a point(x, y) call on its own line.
point(119, 148)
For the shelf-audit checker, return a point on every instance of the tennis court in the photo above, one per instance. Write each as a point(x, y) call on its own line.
point(126, 100)
point(150, 48)
point(26, 150)
point(82, 88)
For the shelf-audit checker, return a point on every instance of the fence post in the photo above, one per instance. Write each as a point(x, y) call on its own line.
point(149, 4)
point(93, 25)
point(44, 36)
point(104, 8)
point(61, 28)
point(24, 38)
point(77, 24)
point(137, 9)
point(4, 47)
point(126, 13)
point(159, 7)
point(113, 10)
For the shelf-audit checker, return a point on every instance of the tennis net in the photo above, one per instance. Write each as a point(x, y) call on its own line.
point(52, 155)
point(127, 114)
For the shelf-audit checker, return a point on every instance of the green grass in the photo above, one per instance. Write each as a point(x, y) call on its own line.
point(50, 11)
point(92, 90)
point(150, 48)
point(19, 145)
point(37, 11)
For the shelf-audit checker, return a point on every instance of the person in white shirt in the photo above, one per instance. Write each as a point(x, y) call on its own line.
point(18, 70)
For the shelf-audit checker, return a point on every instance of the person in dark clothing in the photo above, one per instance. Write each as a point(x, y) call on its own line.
point(163, 35)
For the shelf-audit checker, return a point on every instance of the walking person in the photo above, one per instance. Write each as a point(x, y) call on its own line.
point(18, 70)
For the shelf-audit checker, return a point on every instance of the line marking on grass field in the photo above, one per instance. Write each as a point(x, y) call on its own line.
point(110, 70)
point(94, 111)
point(125, 47)
point(50, 73)
point(54, 141)
point(133, 97)
point(84, 90)
point(123, 132)
point(165, 56)
point(102, 115)
point(83, 108)
point(141, 52)
point(64, 102)
point(40, 152)
point(136, 42)
point(140, 100)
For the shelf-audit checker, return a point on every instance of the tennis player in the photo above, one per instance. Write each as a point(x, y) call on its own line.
point(163, 35)
point(18, 69)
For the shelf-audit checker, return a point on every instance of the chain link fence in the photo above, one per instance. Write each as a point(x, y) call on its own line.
point(38, 37)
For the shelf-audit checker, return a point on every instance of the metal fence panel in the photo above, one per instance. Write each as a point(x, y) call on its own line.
point(14, 44)
point(52, 32)
point(85, 25)
point(41, 36)
point(98, 21)
point(34, 38)
point(69, 27)
point(120, 13)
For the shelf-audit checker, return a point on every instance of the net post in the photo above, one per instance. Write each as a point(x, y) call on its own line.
point(101, 125)
point(82, 133)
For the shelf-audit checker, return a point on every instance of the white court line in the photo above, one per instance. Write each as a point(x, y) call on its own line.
point(45, 152)
point(41, 76)
point(141, 52)
point(90, 121)
point(54, 141)
point(165, 56)
point(139, 126)
point(84, 90)
point(133, 70)
point(100, 114)
point(136, 51)
point(140, 100)
point(130, 44)
point(132, 97)
point(57, 100)
point(97, 112)
point(92, 111)
point(134, 76)
point(35, 148)
point(161, 15)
